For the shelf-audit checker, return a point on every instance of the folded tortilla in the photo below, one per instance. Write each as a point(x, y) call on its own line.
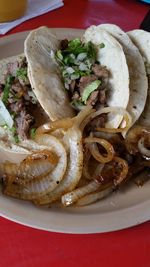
point(7, 140)
point(112, 56)
point(137, 74)
point(44, 73)
point(141, 39)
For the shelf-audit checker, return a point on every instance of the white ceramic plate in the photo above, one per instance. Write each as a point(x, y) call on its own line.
point(122, 209)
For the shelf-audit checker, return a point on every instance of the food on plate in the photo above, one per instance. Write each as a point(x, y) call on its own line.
point(137, 72)
point(77, 168)
point(142, 40)
point(85, 70)
point(94, 140)
point(20, 110)
point(44, 73)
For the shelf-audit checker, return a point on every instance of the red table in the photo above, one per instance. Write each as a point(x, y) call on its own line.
point(22, 246)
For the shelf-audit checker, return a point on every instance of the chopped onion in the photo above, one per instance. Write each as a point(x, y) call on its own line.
point(81, 56)
point(5, 116)
point(73, 196)
point(83, 67)
point(70, 70)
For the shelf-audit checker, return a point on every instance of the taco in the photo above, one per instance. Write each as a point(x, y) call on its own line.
point(22, 108)
point(141, 39)
point(20, 111)
point(137, 73)
point(91, 71)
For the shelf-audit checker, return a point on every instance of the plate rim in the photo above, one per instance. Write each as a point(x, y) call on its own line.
point(127, 219)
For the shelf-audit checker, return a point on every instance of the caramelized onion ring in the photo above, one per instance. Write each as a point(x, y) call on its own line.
point(106, 110)
point(126, 119)
point(133, 136)
point(123, 174)
point(54, 125)
point(95, 152)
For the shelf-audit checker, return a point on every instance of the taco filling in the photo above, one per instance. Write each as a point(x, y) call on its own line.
point(18, 103)
point(83, 76)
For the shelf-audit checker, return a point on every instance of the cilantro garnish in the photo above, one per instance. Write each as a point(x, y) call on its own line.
point(33, 133)
point(7, 87)
point(22, 73)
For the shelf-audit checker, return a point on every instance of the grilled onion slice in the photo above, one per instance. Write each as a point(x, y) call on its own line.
point(94, 197)
point(54, 125)
point(71, 197)
point(32, 167)
point(95, 152)
point(39, 187)
point(74, 168)
point(110, 110)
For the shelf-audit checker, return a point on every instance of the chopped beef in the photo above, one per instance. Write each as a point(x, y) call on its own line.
point(93, 98)
point(102, 96)
point(97, 122)
point(17, 87)
point(75, 96)
point(100, 71)
point(23, 123)
point(12, 68)
point(1, 88)
point(23, 63)
point(24, 82)
point(19, 100)
point(72, 86)
point(86, 80)
point(16, 106)
point(64, 44)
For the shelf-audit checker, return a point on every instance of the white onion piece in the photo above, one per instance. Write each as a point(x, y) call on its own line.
point(94, 197)
point(143, 150)
point(5, 115)
point(32, 145)
point(86, 172)
point(74, 169)
point(38, 168)
point(95, 152)
point(82, 115)
point(32, 167)
point(73, 196)
point(97, 169)
point(38, 188)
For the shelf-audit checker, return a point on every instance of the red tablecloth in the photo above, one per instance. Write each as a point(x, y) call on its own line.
point(22, 246)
